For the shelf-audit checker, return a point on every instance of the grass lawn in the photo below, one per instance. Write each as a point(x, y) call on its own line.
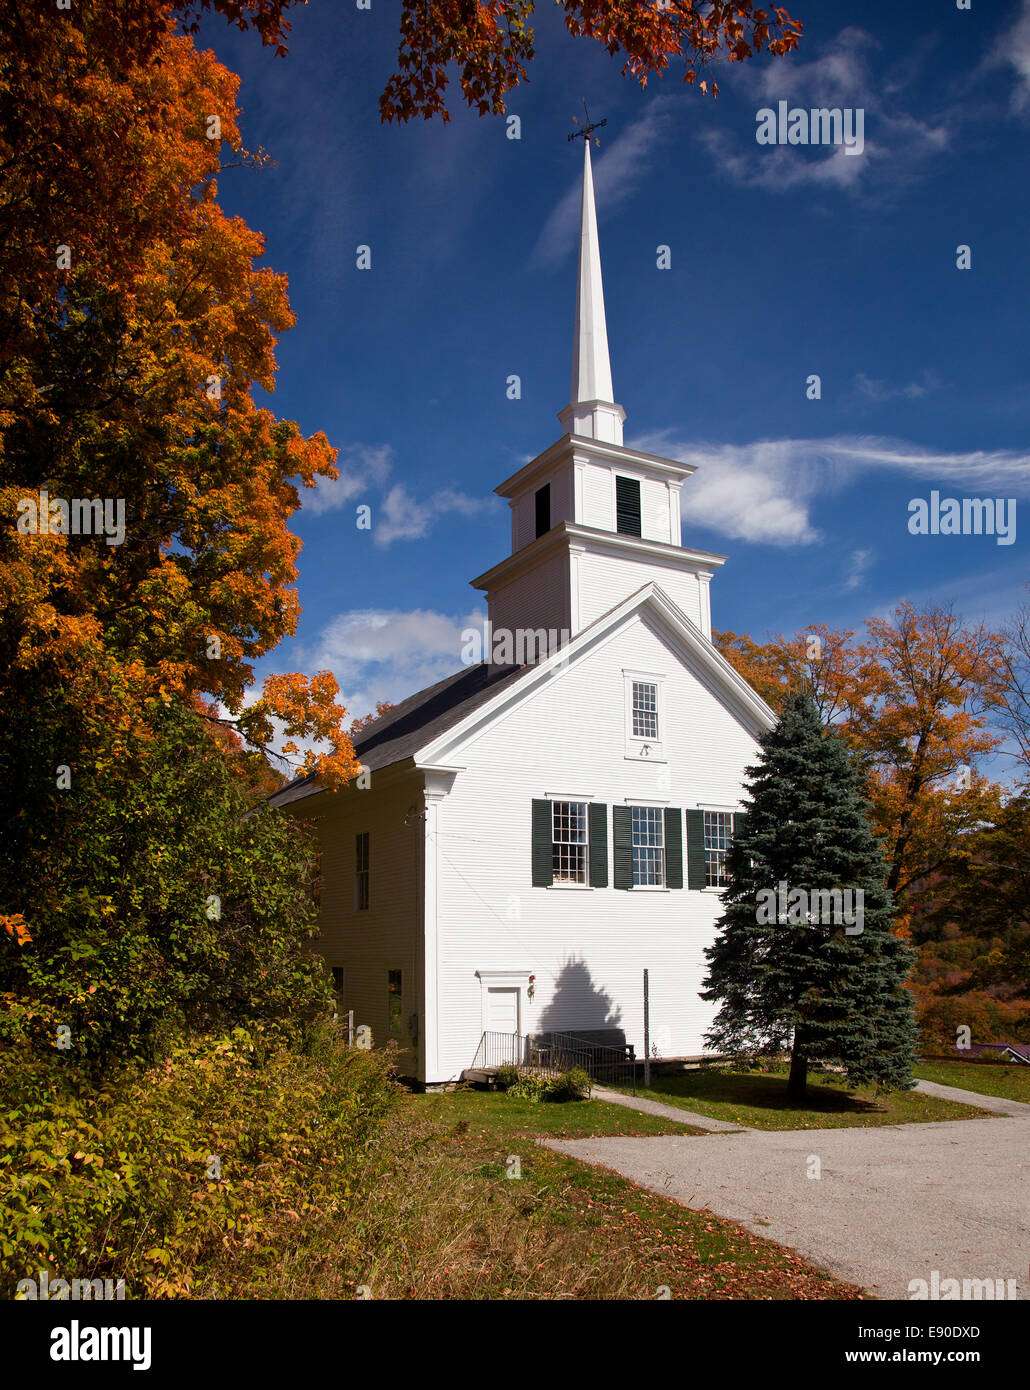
point(759, 1100)
point(492, 1116)
point(1011, 1080)
point(447, 1220)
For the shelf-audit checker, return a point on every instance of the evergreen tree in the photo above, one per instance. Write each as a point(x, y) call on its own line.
point(792, 963)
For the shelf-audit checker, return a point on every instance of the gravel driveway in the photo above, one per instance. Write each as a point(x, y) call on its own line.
point(892, 1203)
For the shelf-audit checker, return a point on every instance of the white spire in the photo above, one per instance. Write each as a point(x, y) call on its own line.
point(591, 410)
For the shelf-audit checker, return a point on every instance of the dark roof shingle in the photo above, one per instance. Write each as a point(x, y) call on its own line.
point(416, 721)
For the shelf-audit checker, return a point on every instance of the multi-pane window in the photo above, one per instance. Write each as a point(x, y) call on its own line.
point(718, 830)
point(648, 847)
point(569, 841)
point(645, 710)
point(361, 872)
point(395, 997)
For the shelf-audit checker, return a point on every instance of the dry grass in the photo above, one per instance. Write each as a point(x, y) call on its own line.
point(438, 1218)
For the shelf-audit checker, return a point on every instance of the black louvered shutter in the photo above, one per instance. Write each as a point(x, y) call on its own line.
point(622, 845)
point(673, 848)
point(695, 849)
point(739, 824)
point(543, 851)
point(598, 827)
point(627, 506)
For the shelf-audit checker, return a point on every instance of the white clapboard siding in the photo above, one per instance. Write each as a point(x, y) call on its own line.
point(537, 599)
point(605, 580)
point(586, 947)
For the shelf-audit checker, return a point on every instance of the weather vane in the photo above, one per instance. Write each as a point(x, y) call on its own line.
point(588, 126)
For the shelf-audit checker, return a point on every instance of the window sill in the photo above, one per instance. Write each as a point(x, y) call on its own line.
point(645, 758)
point(649, 888)
point(570, 887)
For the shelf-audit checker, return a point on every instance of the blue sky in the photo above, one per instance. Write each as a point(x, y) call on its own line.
point(785, 262)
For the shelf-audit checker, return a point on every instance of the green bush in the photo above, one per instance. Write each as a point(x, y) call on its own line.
point(573, 1084)
point(506, 1077)
point(121, 1183)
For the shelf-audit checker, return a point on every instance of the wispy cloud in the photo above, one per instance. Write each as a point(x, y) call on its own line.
point(860, 562)
point(388, 654)
point(895, 139)
point(1012, 49)
point(364, 472)
point(617, 172)
point(765, 491)
point(880, 391)
point(362, 467)
point(403, 517)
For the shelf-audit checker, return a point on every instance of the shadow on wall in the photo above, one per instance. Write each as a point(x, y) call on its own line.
point(579, 1007)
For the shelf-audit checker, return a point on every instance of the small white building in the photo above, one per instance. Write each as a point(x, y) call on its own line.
point(549, 822)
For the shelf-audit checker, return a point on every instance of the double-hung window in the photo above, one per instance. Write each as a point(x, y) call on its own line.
point(644, 710)
point(645, 716)
point(648, 846)
point(718, 833)
point(569, 841)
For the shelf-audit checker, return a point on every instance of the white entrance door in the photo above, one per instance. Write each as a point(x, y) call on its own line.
point(502, 1010)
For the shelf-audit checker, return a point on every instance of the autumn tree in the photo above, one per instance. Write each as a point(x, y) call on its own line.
point(134, 322)
point(490, 43)
point(913, 701)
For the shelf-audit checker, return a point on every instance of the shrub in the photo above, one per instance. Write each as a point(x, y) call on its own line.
point(573, 1084)
point(506, 1077)
point(120, 1182)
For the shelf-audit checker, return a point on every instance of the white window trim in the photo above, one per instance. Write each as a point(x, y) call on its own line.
point(585, 801)
point(635, 745)
point(662, 887)
point(730, 811)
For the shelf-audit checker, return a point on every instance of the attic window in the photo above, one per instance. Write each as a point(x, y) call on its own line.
point(543, 509)
point(645, 710)
point(627, 506)
point(645, 716)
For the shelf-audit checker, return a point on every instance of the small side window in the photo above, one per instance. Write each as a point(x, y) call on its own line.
point(395, 1000)
point(361, 872)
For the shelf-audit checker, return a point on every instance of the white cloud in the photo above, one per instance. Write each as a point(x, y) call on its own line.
point(764, 492)
point(880, 391)
point(402, 517)
point(1013, 49)
point(617, 171)
point(388, 654)
point(840, 77)
point(361, 467)
point(364, 471)
point(860, 562)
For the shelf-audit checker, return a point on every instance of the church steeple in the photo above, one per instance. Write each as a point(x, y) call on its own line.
point(593, 521)
point(591, 411)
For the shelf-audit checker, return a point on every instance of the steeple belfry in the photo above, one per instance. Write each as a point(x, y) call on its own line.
point(591, 410)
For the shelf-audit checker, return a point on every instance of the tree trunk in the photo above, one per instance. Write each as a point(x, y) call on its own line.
point(797, 1081)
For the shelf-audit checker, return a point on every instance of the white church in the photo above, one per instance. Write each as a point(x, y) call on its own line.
point(533, 837)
